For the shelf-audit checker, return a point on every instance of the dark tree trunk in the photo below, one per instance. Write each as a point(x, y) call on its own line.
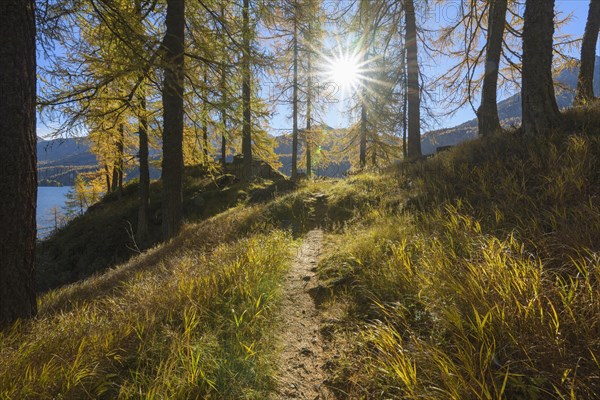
point(585, 84)
point(144, 193)
point(363, 132)
point(115, 178)
point(205, 119)
point(107, 176)
point(121, 155)
point(143, 214)
point(414, 92)
point(224, 105)
point(295, 101)
point(223, 118)
point(172, 164)
point(487, 114)
point(404, 107)
point(18, 185)
point(540, 111)
point(246, 93)
point(309, 94)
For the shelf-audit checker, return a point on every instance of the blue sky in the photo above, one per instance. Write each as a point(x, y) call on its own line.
point(334, 114)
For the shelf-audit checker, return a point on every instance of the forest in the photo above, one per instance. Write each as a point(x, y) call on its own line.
point(274, 202)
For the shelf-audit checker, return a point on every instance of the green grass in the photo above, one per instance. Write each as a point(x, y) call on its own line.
point(193, 318)
point(104, 236)
point(484, 285)
point(178, 322)
point(471, 275)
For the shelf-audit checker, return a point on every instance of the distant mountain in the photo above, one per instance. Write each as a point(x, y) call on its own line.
point(509, 111)
point(60, 160)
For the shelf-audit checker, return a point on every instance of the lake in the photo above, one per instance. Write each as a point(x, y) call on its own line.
point(48, 200)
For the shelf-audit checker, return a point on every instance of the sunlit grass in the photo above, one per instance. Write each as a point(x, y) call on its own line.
point(486, 285)
point(194, 325)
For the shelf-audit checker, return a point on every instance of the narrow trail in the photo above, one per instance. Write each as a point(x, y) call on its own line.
point(303, 355)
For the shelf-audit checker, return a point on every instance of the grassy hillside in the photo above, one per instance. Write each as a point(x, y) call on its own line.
point(471, 275)
point(103, 236)
point(484, 285)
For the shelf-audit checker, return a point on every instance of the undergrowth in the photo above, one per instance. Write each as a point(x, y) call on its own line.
point(191, 325)
point(194, 318)
point(484, 285)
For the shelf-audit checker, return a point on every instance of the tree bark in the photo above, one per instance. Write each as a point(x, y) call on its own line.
point(121, 159)
point(246, 93)
point(585, 84)
point(107, 177)
point(172, 164)
point(487, 115)
point(414, 92)
point(295, 98)
point(223, 118)
point(404, 106)
point(144, 212)
point(144, 192)
point(18, 185)
point(309, 94)
point(540, 110)
point(205, 119)
point(115, 178)
point(363, 131)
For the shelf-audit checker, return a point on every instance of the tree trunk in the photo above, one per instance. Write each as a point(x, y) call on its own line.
point(540, 111)
point(404, 106)
point(223, 118)
point(121, 159)
point(144, 213)
point(309, 93)
point(295, 100)
point(414, 92)
point(223, 105)
point(585, 84)
point(18, 186)
point(205, 120)
point(172, 164)
point(487, 114)
point(144, 192)
point(107, 176)
point(246, 92)
point(115, 178)
point(363, 131)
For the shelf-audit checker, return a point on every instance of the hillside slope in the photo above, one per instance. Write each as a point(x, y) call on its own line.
point(474, 274)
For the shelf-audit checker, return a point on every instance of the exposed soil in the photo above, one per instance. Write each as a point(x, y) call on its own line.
point(303, 354)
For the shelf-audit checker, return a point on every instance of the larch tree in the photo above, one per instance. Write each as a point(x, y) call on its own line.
point(585, 83)
point(540, 110)
point(18, 186)
point(246, 90)
point(413, 87)
point(312, 33)
point(295, 37)
point(487, 114)
point(172, 164)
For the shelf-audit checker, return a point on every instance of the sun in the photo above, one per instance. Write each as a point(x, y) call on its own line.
point(345, 71)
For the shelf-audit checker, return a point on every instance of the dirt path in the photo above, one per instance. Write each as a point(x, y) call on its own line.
point(302, 358)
